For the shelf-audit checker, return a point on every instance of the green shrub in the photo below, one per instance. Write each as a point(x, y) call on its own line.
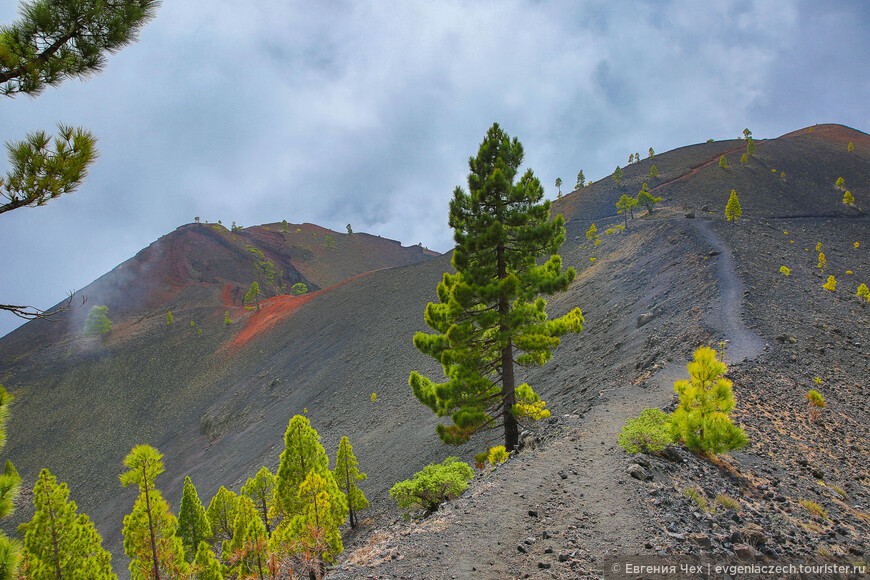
point(648, 432)
point(816, 402)
point(435, 484)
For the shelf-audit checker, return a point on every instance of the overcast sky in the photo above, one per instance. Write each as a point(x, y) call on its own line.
point(366, 111)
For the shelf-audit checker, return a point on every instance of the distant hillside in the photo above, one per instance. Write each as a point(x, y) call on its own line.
point(216, 398)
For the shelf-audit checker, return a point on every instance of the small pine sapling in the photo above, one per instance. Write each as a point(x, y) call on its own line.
point(701, 421)
point(850, 147)
point(169, 318)
point(744, 159)
point(592, 232)
point(653, 171)
point(848, 198)
point(863, 292)
point(822, 261)
point(97, 323)
point(497, 454)
point(298, 289)
point(816, 403)
point(840, 184)
point(723, 163)
point(253, 295)
point(617, 175)
point(347, 473)
point(227, 319)
point(625, 206)
point(785, 271)
point(750, 147)
point(831, 284)
point(581, 180)
point(732, 208)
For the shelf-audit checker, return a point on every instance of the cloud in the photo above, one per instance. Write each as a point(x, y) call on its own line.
point(366, 112)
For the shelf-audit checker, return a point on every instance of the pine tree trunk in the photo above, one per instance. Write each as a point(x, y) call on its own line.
point(508, 395)
point(151, 527)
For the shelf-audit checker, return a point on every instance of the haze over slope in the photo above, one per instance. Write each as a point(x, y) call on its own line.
point(217, 402)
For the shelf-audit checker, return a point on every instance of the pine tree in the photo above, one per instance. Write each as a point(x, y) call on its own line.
point(155, 552)
point(303, 454)
point(346, 475)
point(625, 206)
point(261, 490)
point(863, 292)
point(313, 535)
point(831, 284)
point(298, 289)
point(491, 315)
point(221, 513)
point(253, 295)
point(850, 147)
point(58, 542)
point(750, 147)
point(193, 524)
point(732, 208)
point(285, 227)
point(617, 174)
point(581, 180)
point(50, 42)
point(651, 153)
point(848, 199)
point(646, 198)
point(10, 483)
point(97, 323)
point(747, 134)
point(205, 565)
point(744, 159)
point(823, 262)
point(248, 550)
point(227, 319)
point(169, 318)
point(592, 232)
point(840, 184)
point(723, 163)
point(653, 171)
point(701, 420)
point(559, 186)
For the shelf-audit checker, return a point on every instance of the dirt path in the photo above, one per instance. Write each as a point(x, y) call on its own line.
point(570, 503)
point(726, 316)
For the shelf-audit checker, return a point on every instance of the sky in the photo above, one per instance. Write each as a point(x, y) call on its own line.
point(366, 111)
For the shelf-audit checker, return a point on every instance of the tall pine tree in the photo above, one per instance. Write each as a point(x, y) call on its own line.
point(59, 542)
point(732, 208)
point(193, 524)
point(346, 475)
point(491, 315)
point(221, 513)
point(155, 552)
point(303, 454)
point(248, 550)
point(261, 490)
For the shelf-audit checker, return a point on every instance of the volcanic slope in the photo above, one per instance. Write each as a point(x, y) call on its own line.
point(186, 387)
point(217, 403)
point(674, 280)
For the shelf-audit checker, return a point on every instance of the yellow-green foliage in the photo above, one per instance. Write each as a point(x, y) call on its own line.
point(732, 208)
point(785, 271)
point(435, 484)
point(814, 508)
point(848, 198)
point(497, 454)
point(831, 284)
point(648, 432)
point(529, 404)
point(840, 184)
point(723, 163)
point(850, 146)
point(696, 496)
point(863, 292)
point(701, 420)
point(592, 232)
point(374, 397)
point(597, 241)
point(823, 262)
point(816, 403)
point(609, 231)
point(727, 502)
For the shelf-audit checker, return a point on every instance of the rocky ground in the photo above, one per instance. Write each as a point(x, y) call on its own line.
point(567, 506)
